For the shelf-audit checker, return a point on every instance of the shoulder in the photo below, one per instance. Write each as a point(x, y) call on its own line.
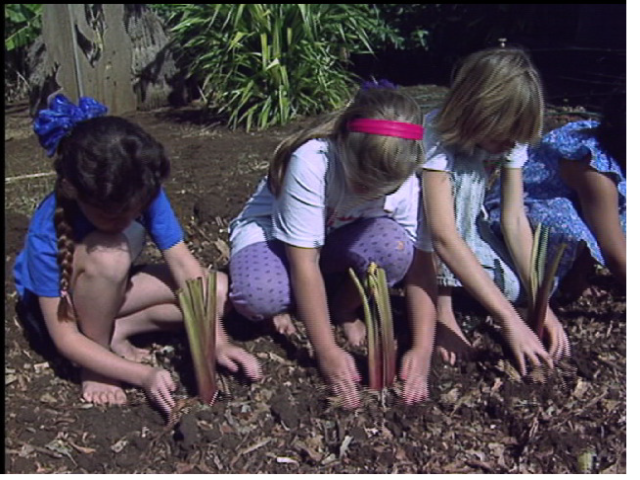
point(573, 141)
point(42, 221)
point(437, 156)
point(312, 148)
point(312, 156)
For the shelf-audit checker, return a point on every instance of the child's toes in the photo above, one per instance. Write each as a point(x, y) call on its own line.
point(355, 332)
point(283, 324)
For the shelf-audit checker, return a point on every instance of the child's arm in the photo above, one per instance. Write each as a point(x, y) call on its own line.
point(515, 224)
point(519, 239)
point(78, 348)
point(184, 266)
point(336, 364)
point(455, 253)
point(421, 292)
point(599, 201)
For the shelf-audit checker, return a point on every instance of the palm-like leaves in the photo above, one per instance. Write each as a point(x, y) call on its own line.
point(263, 64)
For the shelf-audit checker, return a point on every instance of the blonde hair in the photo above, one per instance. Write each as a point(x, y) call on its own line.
point(497, 94)
point(381, 163)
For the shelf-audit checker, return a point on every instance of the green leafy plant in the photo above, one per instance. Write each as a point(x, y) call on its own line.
point(22, 24)
point(542, 276)
point(198, 304)
point(263, 64)
point(381, 350)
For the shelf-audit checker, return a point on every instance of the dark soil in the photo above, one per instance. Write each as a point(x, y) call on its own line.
point(481, 417)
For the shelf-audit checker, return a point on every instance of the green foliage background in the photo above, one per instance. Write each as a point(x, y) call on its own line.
point(263, 64)
point(22, 25)
point(258, 65)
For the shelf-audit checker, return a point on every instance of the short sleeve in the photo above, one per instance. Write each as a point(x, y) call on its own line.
point(162, 223)
point(573, 141)
point(437, 156)
point(41, 261)
point(299, 213)
point(517, 156)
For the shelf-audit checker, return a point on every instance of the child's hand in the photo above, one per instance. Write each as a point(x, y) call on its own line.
point(339, 370)
point(416, 365)
point(158, 386)
point(233, 357)
point(558, 341)
point(525, 345)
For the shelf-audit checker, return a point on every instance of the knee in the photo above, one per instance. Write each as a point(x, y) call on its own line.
point(105, 256)
point(389, 247)
point(258, 300)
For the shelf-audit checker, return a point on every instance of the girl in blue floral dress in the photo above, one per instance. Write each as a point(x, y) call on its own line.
point(575, 184)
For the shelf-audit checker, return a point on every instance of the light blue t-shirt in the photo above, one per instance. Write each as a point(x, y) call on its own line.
point(314, 201)
point(36, 268)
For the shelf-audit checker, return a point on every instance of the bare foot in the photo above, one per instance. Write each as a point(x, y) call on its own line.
point(451, 343)
point(101, 390)
point(283, 324)
point(355, 331)
point(127, 350)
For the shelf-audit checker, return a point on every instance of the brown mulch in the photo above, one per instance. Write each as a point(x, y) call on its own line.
point(481, 417)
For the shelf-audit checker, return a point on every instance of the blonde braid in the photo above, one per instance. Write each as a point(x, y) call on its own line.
point(66, 248)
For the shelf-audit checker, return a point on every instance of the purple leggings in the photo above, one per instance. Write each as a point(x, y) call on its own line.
point(260, 286)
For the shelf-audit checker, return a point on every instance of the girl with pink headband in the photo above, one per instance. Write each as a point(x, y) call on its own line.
point(340, 194)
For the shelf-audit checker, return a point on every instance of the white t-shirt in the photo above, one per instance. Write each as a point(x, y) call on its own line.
point(441, 157)
point(314, 201)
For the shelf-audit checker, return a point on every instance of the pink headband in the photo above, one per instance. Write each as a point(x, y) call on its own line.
point(411, 131)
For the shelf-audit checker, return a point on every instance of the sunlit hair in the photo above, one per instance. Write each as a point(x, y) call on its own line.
point(111, 164)
point(376, 163)
point(496, 94)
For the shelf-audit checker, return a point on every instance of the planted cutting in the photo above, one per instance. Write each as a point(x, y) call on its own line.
point(198, 304)
point(542, 276)
point(381, 350)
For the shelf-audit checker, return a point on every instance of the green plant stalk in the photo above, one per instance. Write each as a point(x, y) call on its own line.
point(533, 278)
point(373, 354)
point(199, 311)
point(385, 319)
point(381, 352)
point(544, 293)
point(542, 277)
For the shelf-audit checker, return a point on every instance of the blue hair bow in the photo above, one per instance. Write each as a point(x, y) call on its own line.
point(378, 84)
point(53, 123)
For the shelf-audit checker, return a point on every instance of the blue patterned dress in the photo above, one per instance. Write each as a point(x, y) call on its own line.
point(549, 201)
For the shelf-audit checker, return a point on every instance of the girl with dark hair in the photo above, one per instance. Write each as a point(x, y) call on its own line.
point(74, 276)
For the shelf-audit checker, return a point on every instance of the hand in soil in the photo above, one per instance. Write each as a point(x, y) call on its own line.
point(558, 341)
point(233, 358)
point(158, 386)
point(416, 365)
point(339, 370)
point(525, 346)
point(101, 390)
